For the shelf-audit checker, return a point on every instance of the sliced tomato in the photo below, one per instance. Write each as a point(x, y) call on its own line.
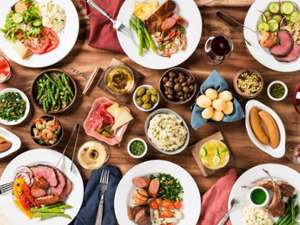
point(154, 204)
point(167, 204)
point(177, 204)
point(53, 37)
point(24, 202)
point(38, 45)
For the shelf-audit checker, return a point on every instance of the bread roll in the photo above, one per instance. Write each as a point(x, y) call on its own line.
point(208, 113)
point(226, 95)
point(219, 104)
point(203, 101)
point(228, 108)
point(211, 93)
point(218, 116)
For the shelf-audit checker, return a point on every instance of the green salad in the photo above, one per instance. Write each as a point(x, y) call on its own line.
point(23, 21)
point(12, 106)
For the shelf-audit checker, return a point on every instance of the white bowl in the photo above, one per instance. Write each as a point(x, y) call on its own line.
point(267, 197)
point(167, 111)
point(25, 98)
point(141, 108)
point(137, 156)
point(285, 89)
point(280, 150)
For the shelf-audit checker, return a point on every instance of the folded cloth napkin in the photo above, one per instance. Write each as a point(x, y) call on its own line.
point(214, 201)
point(102, 34)
point(216, 81)
point(88, 212)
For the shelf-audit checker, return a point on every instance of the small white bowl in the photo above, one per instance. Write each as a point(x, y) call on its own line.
point(267, 197)
point(285, 89)
point(141, 108)
point(137, 156)
point(25, 98)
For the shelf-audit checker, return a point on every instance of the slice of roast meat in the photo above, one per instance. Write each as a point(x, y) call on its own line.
point(292, 56)
point(285, 45)
point(132, 211)
point(67, 190)
point(36, 191)
point(46, 172)
point(61, 184)
point(279, 210)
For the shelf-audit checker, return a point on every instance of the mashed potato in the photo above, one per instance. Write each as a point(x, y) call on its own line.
point(256, 216)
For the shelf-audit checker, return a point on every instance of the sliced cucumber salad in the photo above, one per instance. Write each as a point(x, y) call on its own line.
point(275, 13)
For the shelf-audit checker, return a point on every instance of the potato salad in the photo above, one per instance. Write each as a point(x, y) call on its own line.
point(167, 132)
point(256, 216)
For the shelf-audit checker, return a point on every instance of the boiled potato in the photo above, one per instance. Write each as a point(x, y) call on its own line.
point(208, 113)
point(226, 95)
point(218, 116)
point(203, 101)
point(211, 93)
point(219, 104)
point(228, 108)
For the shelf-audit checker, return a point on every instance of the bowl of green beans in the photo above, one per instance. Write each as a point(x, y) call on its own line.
point(54, 91)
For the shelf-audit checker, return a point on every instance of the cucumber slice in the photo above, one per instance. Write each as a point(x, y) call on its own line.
point(263, 27)
point(278, 18)
point(37, 23)
point(17, 18)
point(295, 17)
point(263, 18)
point(287, 8)
point(273, 25)
point(268, 15)
point(274, 7)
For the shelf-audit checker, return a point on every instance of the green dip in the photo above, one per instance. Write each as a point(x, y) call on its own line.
point(12, 106)
point(258, 196)
point(277, 90)
point(137, 148)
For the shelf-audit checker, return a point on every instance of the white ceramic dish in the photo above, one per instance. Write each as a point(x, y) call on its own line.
point(188, 10)
point(269, 90)
point(260, 54)
point(255, 174)
point(48, 157)
point(137, 156)
point(139, 107)
point(265, 203)
point(280, 150)
point(167, 111)
point(191, 195)
point(67, 37)
point(25, 98)
point(14, 139)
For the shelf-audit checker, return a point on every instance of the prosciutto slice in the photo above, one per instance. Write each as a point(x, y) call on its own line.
point(97, 117)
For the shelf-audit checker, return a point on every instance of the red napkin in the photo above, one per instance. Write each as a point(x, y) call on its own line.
point(102, 34)
point(214, 202)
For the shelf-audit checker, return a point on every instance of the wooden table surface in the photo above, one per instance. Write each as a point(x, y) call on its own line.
point(83, 59)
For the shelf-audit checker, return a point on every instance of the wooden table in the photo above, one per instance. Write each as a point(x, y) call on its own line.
point(83, 59)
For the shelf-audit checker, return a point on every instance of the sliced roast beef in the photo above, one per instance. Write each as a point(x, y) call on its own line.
point(61, 183)
point(67, 190)
point(285, 45)
point(47, 200)
point(46, 172)
point(37, 192)
point(292, 56)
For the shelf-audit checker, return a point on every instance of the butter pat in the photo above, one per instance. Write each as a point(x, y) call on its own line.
point(120, 114)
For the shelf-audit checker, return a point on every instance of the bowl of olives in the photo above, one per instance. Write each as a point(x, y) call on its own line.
point(178, 86)
point(146, 98)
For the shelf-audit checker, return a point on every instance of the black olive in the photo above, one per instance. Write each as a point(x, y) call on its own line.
point(170, 84)
point(170, 96)
point(185, 89)
point(176, 80)
point(180, 93)
point(184, 84)
point(172, 74)
point(165, 80)
point(177, 87)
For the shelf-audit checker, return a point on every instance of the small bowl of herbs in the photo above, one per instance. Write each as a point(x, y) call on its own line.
point(277, 90)
point(137, 148)
point(14, 106)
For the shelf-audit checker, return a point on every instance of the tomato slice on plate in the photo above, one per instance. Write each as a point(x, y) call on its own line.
point(38, 45)
point(53, 37)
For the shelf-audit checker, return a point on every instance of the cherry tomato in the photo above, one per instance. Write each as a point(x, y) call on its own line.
point(24, 202)
point(52, 35)
point(38, 45)
point(167, 204)
point(177, 204)
point(166, 214)
point(154, 204)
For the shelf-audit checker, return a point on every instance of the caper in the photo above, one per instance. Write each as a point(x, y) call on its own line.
point(140, 91)
point(147, 106)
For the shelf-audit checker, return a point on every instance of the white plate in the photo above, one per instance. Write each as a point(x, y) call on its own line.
point(67, 36)
point(48, 157)
point(280, 150)
point(188, 10)
point(14, 139)
point(191, 196)
point(27, 110)
point(260, 54)
point(254, 174)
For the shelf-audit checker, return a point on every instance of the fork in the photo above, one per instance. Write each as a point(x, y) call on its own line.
point(104, 179)
point(224, 219)
point(6, 187)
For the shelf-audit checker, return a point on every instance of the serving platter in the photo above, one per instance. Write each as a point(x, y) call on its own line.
point(14, 139)
point(191, 195)
point(188, 10)
point(254, 174)
point(49, 157)
point(67, 37)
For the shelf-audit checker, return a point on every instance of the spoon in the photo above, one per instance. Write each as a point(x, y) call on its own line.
point(224, 219)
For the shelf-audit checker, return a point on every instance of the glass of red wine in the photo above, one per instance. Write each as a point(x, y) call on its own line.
point(218, 48)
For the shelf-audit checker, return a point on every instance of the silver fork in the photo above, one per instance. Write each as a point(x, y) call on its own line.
point(118, 25)
point(224, 219)
point(5, 187)
point(104, 179)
